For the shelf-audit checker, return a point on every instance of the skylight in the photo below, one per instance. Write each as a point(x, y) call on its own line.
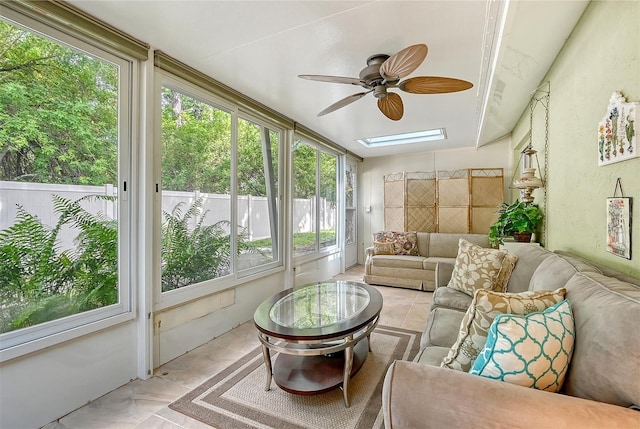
point(413, 137)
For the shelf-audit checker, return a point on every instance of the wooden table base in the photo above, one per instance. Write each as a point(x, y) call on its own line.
point(312, 375)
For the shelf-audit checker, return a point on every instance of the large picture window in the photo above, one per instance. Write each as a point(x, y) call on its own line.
point(220, 189)
point(64, 138)
point(196, 190)
point(315, 174)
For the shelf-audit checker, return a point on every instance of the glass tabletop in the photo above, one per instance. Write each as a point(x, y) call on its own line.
point(319, 305)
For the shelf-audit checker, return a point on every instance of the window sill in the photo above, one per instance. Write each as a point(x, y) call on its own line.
point(67, 335)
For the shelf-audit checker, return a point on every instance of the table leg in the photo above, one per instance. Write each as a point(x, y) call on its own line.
point(348, 364)
point(266, 353)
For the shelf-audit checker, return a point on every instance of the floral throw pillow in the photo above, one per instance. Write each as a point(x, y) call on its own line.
point(477, 268)
point(404, 243)
point(484, 308)
point(383, 248)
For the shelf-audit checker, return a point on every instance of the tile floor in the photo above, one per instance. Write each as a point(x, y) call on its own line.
point(144, 404)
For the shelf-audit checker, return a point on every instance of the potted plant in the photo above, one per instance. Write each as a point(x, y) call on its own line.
point(518, 219)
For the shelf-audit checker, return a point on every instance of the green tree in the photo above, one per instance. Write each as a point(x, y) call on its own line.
point(196, 145)
point(304, 170)
point(251, 167)
point(304, 174)
point(58, 112)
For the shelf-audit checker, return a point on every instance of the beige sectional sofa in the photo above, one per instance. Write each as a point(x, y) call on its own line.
point(419, 271)
point(601, 387)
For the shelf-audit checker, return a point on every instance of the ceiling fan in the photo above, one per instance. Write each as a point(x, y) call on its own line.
point(384, 72)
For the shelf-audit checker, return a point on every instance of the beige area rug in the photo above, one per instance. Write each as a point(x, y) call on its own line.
point(235, 397)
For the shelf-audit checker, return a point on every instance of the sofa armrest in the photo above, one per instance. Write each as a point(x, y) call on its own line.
point(424, 396)
point(443, 273)
point(368, 254)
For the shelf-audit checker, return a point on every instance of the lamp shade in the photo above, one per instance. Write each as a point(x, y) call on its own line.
point(528, 179)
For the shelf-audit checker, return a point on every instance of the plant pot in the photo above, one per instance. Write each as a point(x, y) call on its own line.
point(522, 237)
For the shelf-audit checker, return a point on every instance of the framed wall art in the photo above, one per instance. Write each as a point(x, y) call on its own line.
point(618, 131)
point(619, 224)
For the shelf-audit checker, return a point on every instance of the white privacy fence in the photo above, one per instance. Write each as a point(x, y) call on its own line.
point(253, 212)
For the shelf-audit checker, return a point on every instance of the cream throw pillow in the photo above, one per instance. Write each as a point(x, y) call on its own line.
point(484, 308)
point(481, 268)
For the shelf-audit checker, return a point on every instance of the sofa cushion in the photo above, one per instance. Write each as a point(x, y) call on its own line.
point(555, 272)
point(405, 243)
point(423, 243)
point(429, 265)
point(607, 271)
point(531, 351)
point(605, 365)
point(442, 328)
point(398, 261)
point(484, 308)
point(403, 273)
point(477, 268)
point(431, 355)
point(450, 298)
point(446, 244)
point(529, 258)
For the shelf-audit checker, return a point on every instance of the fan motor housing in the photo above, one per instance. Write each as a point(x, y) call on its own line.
point(371, 73)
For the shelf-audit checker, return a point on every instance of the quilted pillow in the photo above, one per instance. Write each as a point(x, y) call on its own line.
point(530, 351)
point(485, 307)
point(404, 243)
point(479, 268)
point(383, 248)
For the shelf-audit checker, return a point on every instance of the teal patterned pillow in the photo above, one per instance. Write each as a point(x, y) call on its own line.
point(531, 351)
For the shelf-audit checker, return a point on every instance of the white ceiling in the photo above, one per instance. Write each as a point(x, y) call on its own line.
point(259, 47)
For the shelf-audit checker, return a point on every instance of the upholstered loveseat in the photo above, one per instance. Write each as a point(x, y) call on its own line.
point(601, 386)
point(417, 271)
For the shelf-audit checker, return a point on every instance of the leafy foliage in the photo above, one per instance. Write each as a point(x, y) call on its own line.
point(193, 255)
point(39, 282)
point(515, 217)
point(58, 112)
point(304, 176)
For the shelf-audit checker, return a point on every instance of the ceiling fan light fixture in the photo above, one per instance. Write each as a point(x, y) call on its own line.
point(384, 71)
point(380, 91)
point(405, 138)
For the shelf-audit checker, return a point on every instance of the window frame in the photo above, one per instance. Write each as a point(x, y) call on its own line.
point(319, 252)
point(34, 338)
point(164, 300)
point(278, 257)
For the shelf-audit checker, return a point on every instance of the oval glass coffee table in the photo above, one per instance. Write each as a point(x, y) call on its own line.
point(322, 333)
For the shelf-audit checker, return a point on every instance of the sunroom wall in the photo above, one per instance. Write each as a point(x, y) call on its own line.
point(372, 171)
point(581, 82)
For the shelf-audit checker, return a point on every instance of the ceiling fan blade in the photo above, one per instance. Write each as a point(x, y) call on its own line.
point(345, 101)
point(391, 106)
point(404, 62)
point(334, 79)
point(433, 85)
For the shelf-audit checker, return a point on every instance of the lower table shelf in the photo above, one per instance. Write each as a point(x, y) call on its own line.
point(312, 375)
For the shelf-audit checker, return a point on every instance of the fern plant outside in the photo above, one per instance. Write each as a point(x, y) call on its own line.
point(39, 282)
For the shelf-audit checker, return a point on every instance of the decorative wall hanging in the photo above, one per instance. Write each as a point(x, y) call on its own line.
point(619, 223)
point(618, 131)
